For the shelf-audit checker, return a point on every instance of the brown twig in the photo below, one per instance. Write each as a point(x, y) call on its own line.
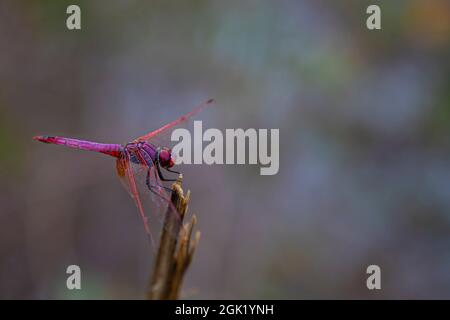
point(172, 261)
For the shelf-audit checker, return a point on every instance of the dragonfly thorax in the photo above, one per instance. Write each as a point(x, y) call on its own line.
point(141, 152)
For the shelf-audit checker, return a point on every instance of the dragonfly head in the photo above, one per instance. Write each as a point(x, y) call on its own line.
point(165, 158)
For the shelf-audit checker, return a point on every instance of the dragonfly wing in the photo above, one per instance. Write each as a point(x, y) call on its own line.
point(144, 185)
point(164, 130)
point(120, 170)
point(127, 177)
point(160, 197)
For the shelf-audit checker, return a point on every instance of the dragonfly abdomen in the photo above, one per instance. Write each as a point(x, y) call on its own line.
point(107, 148)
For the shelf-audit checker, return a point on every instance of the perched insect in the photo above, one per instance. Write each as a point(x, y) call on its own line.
point(139, 160)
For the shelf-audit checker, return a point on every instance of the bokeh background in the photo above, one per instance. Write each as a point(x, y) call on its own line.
point(364, 119)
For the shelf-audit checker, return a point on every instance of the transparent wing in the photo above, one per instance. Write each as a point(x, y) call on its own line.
point(151, 197)
point(126, 175)
point(161, 137)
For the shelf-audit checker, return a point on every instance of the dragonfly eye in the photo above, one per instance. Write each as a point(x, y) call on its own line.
point(165, 158)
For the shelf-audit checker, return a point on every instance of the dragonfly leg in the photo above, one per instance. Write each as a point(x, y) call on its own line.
point(152, 189)
point(173, 171)
point(150, 186)
point(160, 174)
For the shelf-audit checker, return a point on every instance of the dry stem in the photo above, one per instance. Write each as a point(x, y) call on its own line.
point(172, 261)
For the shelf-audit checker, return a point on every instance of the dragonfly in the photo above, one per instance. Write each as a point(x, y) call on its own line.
point(140, 164)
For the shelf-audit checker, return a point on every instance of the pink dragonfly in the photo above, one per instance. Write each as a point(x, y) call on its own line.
point(139, 162)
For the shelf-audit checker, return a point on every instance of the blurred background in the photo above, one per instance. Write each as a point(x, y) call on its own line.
point(364, 119)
